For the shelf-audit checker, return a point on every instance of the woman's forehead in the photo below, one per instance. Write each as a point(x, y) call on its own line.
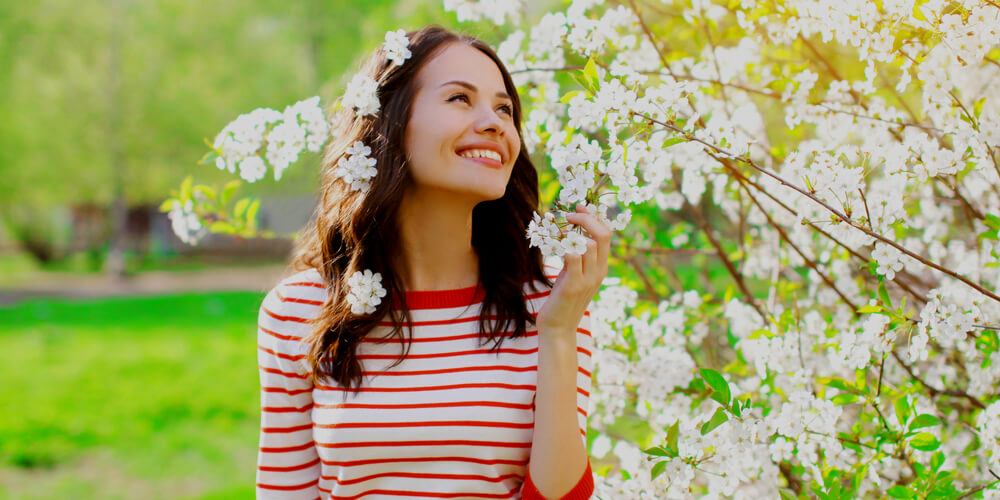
point(459, 62)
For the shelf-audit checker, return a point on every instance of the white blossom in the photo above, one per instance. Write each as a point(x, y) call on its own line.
point(365, 291)
point(185, 222)
point(356, 168)
point(362, 95)
point(397, 46)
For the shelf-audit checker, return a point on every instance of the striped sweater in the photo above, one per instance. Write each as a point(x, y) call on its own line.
point(451, 421)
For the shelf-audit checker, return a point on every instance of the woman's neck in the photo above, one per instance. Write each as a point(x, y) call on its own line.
point(436, 236)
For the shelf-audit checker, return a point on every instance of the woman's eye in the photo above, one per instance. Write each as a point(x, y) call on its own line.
point(506, 107)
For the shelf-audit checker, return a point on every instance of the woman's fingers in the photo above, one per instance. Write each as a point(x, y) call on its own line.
point(598, 231)
point(590, 263)
point(573, 264)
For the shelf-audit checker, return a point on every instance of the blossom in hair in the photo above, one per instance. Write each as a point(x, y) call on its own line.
point(356, 168)
point(365, 292)
point(396, 46)
point(362, 95)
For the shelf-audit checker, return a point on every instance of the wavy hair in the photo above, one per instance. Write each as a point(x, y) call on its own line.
point(353, 231)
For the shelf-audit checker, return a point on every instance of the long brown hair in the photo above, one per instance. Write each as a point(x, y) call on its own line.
point(354, 231)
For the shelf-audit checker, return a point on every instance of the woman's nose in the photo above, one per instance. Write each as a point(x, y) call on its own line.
point(487, 120)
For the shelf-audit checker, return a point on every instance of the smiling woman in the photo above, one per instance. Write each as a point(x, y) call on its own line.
point(443, 225)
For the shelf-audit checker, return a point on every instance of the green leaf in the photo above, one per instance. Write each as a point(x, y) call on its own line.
point(583, 82)
point(991, 234)
point(924, 420)
point(837, 383)
point(658, 451)
point(208, 158)
point(672, 434)
point(658, 468)
point(787, 494)
point(206, 192)
point(228, 191)
point(871, 308)
point(844, 398)
point(902, 407)
point(883, 293)
point(977, 107)
point(718, 418)
point(925, 441)
point(992, 221)
point(185, 193)
point(168, 204)
point(241, 207)
point(222, 227)
point(937, 460)
point(720, 388)
point(590, 73)
point(252, 214)
point(671, 141)
point(900, 492)
point(860, 381)
point(568, 96)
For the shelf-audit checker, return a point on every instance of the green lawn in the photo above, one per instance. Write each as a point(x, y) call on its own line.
point(127, 398)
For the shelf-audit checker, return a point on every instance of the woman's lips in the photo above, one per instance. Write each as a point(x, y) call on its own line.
point(486, 162)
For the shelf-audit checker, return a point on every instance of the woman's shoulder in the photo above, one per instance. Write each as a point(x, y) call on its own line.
point(298, 295)
point(307, 279)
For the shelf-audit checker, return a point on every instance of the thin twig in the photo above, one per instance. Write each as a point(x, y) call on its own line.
point(833, 210)
point(934, 390)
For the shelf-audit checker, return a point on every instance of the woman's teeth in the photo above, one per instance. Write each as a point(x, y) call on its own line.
point(480, 153)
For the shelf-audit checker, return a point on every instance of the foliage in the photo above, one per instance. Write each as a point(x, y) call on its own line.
point(838, 161)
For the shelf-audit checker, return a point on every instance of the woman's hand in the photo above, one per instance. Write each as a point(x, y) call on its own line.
point(579, 280)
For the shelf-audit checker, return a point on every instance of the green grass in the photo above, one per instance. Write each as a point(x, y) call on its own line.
point(119, 398)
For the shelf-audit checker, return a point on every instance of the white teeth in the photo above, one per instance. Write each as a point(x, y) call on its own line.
point(481, 153)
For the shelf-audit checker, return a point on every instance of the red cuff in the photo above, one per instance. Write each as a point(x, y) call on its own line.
point(582, 491)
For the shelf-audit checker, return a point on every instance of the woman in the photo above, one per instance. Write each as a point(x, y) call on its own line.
point(352, 406)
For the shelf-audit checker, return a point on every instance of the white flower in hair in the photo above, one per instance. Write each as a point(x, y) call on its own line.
point(356, 167)
point(396, 45)
point(362, 95)
point(366, 291)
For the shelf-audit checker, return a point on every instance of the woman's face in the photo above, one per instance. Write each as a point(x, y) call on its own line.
point(461, 109)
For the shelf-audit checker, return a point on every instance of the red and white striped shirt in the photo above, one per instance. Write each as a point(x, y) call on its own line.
point(453, 420)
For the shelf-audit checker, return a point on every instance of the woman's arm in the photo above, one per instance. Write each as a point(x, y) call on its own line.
point(559, 466)
point(288, 466)
point(558, 453)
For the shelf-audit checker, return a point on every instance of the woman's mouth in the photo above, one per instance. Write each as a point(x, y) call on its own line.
point(484, 161)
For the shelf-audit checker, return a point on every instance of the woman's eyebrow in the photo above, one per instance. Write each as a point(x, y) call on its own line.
point(472, 87)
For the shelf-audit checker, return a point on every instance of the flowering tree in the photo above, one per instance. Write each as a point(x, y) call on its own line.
point(836, 163)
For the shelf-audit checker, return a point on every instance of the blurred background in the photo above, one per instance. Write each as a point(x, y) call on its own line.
point(131, 365)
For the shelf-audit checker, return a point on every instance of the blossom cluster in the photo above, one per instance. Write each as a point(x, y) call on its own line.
point(185, 222)
point(829, 193)
point(279, 136)
point(829, 349)
point(356, 168)
point(365, 291)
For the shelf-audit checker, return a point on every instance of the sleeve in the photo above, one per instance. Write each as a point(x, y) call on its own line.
point(288, 466)
point(585, 485)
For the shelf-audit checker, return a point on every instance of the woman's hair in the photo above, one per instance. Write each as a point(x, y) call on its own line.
point(354, 230)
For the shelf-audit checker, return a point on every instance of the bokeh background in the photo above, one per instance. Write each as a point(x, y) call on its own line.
point(130, 357)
